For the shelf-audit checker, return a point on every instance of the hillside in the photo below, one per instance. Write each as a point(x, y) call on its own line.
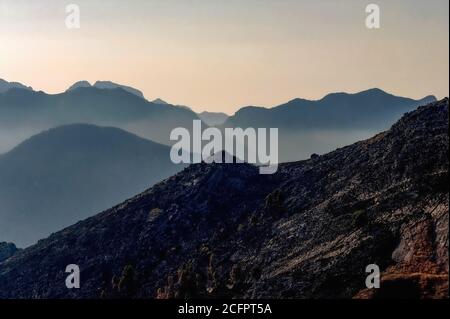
point(67, 174)
point(308, 231)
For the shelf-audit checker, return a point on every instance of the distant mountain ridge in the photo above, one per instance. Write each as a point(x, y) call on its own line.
point(79, 84)
point(159, 101)
point(305, 127)
point(37, 111)
point(335, 109)
point(5, 86)
point(66, 174)
point(318, 126)
point(107, 85)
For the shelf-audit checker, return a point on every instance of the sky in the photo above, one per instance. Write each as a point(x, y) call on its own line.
point(220, 55)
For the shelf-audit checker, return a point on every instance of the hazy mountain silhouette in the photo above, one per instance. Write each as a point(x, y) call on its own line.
point(213, 118)
point(5, 86)
point(68, 173)
point(338, 119)
point(308, 231)
point(371, 108)
point(159, 101)
point(112, 85)
point(106, 85)
point(23, 110)
point(79, 84)
point(305, 127)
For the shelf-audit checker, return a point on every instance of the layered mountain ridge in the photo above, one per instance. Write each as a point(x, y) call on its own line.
point(336, 120)
point(37, 111)
point(308, 231)
point(337, 109)
point(69, 173)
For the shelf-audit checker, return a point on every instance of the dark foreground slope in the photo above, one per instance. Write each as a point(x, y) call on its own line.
point(308, 231)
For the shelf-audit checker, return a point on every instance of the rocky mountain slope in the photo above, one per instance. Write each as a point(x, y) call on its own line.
point(308, 231)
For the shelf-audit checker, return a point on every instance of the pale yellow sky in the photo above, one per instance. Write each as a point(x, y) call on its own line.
point(219, 55)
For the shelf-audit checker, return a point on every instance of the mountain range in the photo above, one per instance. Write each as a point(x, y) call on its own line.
point(31, 178)
point(308, 127)
point(308, 231)
point(29, 112)
point(370, 108)
point(68, 173)
point(107, 85)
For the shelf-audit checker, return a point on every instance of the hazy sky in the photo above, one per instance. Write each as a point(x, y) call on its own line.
point(219, 55)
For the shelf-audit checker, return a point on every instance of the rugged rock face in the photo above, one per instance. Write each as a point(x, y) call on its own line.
point(308, 231)
point(7, 250)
